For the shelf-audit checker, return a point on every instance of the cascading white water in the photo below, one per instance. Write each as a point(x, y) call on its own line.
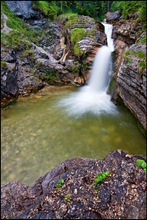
point(99, 77)
point(108, 32)
point(93, 98)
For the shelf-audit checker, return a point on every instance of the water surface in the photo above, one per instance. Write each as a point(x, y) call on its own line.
point(36, 135)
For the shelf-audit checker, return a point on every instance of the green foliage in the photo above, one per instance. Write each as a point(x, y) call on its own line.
point(142, 164)
point(49, 76)
point(19, 30)
point(130, 7)
point(67, 198)
point(127, 53)
point(28, 53)
point(140, 54)
point(91, 33)
point(75, 68)
point(72, 18)
point(101, 176)
point(142, 10)
point(142, 59)
point(13, 21)
point(49, 9)
point(14, 40)
point(60, 183)
point(77, 34)
point(143, 40)
point(142, 63)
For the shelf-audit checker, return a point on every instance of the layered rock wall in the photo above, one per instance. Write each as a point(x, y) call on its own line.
point(130, 67)
point(131, 80)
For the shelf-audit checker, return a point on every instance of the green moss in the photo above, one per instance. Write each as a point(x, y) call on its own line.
point(77, 34)
point(142, 64)
point(3, 65)
point(140, 54)
point(71, 18)
point(112, 85)
point(91, 32)
point(127, 53)
point(49, 76)
point(15, 40)
point(129, 60)
point(2, 23)
point(49, 9)
point(143, 40)
point(13, 21)
point(28, 53)
point(20, 28)
point(75, 68)
point(42, 6)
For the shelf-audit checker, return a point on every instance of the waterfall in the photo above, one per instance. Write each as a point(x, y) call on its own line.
point(108, 32)
point(93, 98)
point(99, 77)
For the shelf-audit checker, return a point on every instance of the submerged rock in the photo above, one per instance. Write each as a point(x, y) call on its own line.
point(70, 191)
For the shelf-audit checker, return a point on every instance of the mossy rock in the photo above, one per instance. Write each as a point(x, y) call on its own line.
point(77, 34)
point(4, 65)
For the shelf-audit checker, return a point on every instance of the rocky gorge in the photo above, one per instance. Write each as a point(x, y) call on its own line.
point(56, 54)
point(36, 53)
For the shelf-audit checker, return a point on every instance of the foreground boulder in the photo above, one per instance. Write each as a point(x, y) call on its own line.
point(70, 191)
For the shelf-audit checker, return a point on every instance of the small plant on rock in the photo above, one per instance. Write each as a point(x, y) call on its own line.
point(67, 198)
point(100, 177)
point(60, 183)
point(141, 163)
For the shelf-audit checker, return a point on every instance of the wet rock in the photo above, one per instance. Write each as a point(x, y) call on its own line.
point(116, 197)
point(9, 85)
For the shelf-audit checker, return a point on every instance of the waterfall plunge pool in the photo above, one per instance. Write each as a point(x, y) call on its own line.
point(37, 135)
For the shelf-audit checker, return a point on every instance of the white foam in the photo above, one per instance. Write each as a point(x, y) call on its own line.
point(87, 101)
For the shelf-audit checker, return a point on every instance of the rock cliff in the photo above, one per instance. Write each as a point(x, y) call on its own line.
point(130, 67)
point(46, 53)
